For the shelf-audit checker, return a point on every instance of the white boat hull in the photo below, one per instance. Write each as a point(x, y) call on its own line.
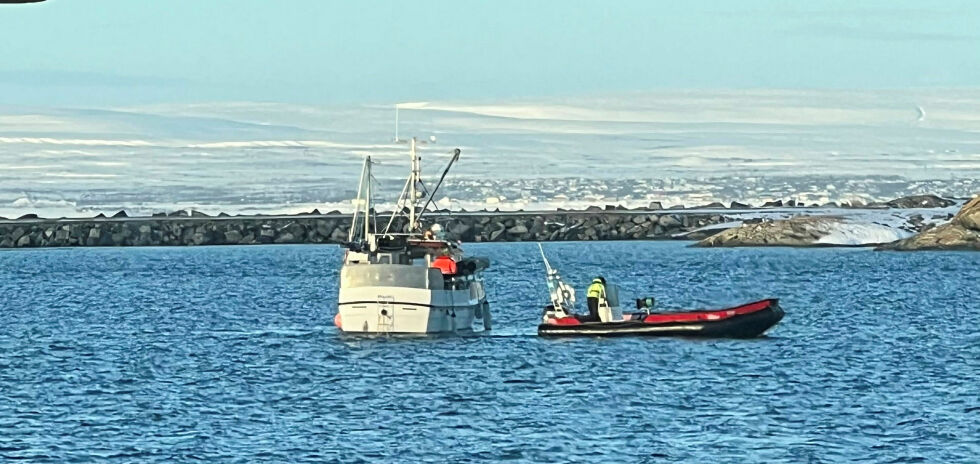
point(406, 319)
point(408, 311)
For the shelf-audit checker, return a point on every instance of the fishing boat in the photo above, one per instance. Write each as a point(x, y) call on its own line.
point(559, 318)
point(401, 279)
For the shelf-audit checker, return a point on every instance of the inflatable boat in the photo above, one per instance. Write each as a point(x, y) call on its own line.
point(745, 321)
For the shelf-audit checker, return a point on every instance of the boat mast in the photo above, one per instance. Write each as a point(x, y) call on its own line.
point(363, 196)
point(413, 187)
point(367, 200)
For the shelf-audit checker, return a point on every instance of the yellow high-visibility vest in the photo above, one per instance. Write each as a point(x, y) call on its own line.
point(596, 290)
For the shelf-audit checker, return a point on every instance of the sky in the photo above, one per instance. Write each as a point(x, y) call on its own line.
point(114, 52)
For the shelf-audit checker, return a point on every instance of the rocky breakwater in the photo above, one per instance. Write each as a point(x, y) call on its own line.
point(182, 229)
point(961, 233)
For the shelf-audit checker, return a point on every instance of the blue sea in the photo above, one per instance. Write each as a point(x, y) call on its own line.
point(228, 354)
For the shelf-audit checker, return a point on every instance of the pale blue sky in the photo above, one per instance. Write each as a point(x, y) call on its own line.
point(111, 52)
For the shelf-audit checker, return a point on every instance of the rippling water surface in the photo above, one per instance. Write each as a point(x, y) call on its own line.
point(227, 354)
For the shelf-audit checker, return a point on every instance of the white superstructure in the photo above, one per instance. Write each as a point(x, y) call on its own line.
point(404, 280)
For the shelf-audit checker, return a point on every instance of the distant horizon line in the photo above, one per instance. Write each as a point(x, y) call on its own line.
point(382, 103)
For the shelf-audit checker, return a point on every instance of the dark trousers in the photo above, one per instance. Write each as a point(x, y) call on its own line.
point(593, 303)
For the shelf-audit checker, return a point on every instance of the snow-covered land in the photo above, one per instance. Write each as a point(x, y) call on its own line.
point(683, 147)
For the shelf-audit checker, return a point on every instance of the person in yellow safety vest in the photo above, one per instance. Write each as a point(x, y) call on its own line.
point(594, 295)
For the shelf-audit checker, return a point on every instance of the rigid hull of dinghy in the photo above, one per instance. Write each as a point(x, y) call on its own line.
point(745, 321)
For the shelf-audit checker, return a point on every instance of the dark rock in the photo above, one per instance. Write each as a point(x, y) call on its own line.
point(100, 216)
point(120, 214)
point(668, 221)
point(297, 230)
point(338, 235)
point(6, 243)
point(267, 235)
point(712, 205)
point(178, 213)
point(196, 213)
point(233, 236)
point(286, 238)
point(17, 234)
point(28, 216)
point(24, 241)
point(105, 239)
point(737, 205)
point(323, 228)
point(773, 204)
point(593, 208)
point(158, 215)
point(612, 219)
point(920, 201)
point(118, 238)
point(518, 229)
point(677, 207)
point(199, 238)
point(655, 205)
point(791, 203)
point(537, 226)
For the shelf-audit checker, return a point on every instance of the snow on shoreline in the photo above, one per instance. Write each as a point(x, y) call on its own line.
point(856, 233)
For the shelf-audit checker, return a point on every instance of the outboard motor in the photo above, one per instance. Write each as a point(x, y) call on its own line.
point(645, 304)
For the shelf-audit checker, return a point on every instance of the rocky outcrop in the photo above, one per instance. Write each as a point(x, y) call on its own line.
point(960, 233)
point(920, 201)
point(183, 229)
point(795, 232)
